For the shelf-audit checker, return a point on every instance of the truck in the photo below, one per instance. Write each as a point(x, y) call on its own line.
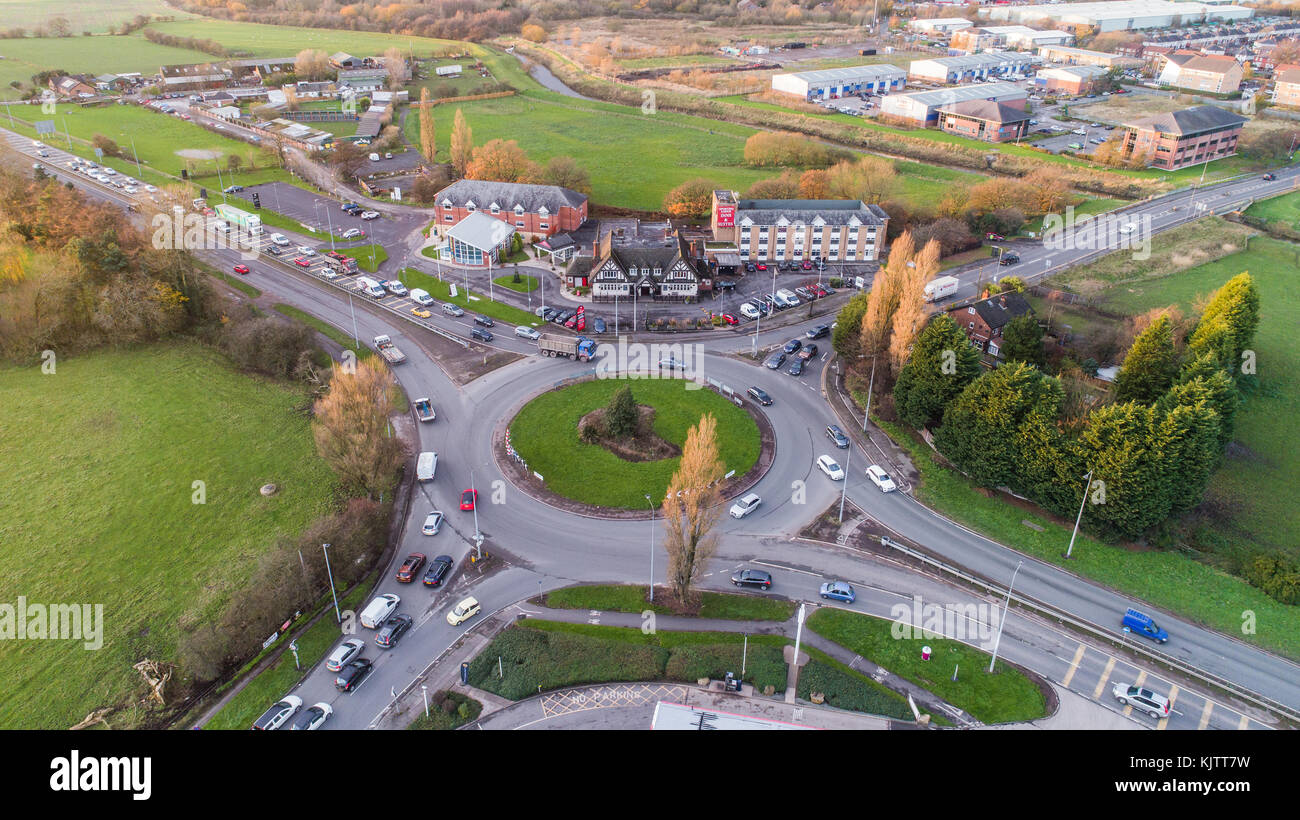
point(251, 223)
point(937, 289)
point(580, 347)
point(389, 350)
point(424, 410)
point(342, 265)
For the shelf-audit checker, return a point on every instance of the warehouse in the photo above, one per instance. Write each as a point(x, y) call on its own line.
point(939, 25)
point(1119, 15)
point(987, 38)
point(1075, 80)
point(1082, 56)
point(831, 83)
point(971, 67)
point(923, 106)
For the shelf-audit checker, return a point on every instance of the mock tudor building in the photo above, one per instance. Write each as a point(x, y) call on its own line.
point(836, 230)
point(984, 320)
point(1182, 138)
point(649, 272)
point(535, 211)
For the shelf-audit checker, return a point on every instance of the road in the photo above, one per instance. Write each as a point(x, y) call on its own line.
point(541, 547)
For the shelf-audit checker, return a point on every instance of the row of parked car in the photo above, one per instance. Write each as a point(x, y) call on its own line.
point(569, 319)
point(767, 303)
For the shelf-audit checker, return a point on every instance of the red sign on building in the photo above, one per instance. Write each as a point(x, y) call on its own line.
point(726, 216)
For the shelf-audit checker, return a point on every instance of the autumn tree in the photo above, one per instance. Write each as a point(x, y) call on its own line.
point(462, 143)
point(395, 65)
point(813, 184)
point(533, 32)
point(428, 143)
point(868, 178)
point(692, 505)
point(886, 290)
point(567, 173)
point(502, 161)
point(351, 427)
point(766, 148)
point(690, 200)
point(311, 65)
point(785, 186)
point(909, 316)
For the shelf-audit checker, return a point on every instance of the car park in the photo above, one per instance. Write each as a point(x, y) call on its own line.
point(438, 571)
point(835, 434)
point(312, 718)
point(406, 572)
point(830, 467)
point(468, 498)
point(279, 714)
point(1144, 700)
point(745, 505)
point(352, 674)
point(343, 653)
point(881, 478)
point(528, 333)
point(752, 578)
point(760, 396)
point(838, 591)
point(463, 611)
point(432, 523)
point(392, 631)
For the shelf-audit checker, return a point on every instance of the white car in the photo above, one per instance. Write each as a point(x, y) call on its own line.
point(881, 479)
point(831, 468)
point(352, 233)
point(151, 189)
point(109, 171)
point(1129, 228)
point(369, 215)
point(277, 715)
point(1144, 700)
point(527, 333)
point(749, 311)
point(131, 189)
point(463, 611)
point(745, 505)
point(303, 250)
point(279, 239)
point(394, 287)
point(432, 523)
point(343, 653)
point(313, 717)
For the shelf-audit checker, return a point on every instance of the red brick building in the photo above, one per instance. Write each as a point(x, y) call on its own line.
point(536, 211)
point(984, 320)
point(1182, 138)
point(984, 120)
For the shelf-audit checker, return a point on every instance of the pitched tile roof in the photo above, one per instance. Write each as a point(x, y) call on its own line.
point(1190, 121)
point(483, 193)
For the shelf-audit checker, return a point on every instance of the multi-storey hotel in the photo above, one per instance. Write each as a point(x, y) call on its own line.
point(780, 230)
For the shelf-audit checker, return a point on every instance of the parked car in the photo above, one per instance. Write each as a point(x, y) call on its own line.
point(277, 715)
point(796, 369)
point(392, 631)
point(468, 499)
point(808, 352)
point(752, 578)
point(749, 311)
point(463, 611)
point(406, 572)
point(368, 215)
point(302, 262)
point(792, 345)
point(232, 189)
point(432, 523)
point(352, 674)
point(775, 361)
point(835, 434)
point(343, 653)
point(598, 325)
point(304, 250)
point(312, 718)
point(839, 591)
point(353, 233)
point(745, 505)
point(818, 332)
point(279, 239)
point(438, 570)
point(760, 396)
point(830, 467)
point(1144, 700)
point(881, 479)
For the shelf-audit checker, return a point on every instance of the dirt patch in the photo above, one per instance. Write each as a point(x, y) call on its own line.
point(198, 153)
point(645, 445)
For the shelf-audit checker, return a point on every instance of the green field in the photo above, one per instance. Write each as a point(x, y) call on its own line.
point(81, 15)
point(481, 303)
point(1285, 208)
point(96, 506)
point(546, 434)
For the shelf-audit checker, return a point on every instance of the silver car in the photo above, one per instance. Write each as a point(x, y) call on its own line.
point(343, 653)
point(432, 523)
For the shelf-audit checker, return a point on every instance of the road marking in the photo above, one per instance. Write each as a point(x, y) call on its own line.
point(1164, 722)
point(1074, 666)
point(1243, 723)
point(1205, 714)
point(1105, 676)
point(1142, 676)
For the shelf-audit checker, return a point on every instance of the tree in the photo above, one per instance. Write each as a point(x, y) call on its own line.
point(909, 316)
point(1150, 366)
point(567, 173)
point(1188, 440)
point(847, 336)
point(621, 415)
point(691, 508)
point(942, 363)
point(533, 32)
point(351, 428)
point(346, 158)
point(1007, 284)
point(786, 186)
point(395, 65)
point(462, 143)
point(311, 65)
point(813, 184)
point(869, 179)
point(1022, 341)
point(502, 161)
point(1227, 326)
point(886, 289)
point(765, 148)
point(1119, 445)
point(428, 142)
point(690, 200)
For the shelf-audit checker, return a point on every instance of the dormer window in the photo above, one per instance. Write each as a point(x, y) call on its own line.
point(496, 209)
point(470, 206)
point(519, 210)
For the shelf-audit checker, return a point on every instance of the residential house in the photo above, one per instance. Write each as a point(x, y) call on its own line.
point(1216, 74)
point(71, 86)
point(985, 320)
point(1286, 87)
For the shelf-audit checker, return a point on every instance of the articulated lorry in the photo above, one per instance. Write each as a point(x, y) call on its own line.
point(580, 347)
point(251, 223)
point(389, 350)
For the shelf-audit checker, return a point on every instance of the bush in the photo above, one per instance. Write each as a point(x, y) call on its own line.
point(268, 346)
point(1277, 575)
point(844, 690)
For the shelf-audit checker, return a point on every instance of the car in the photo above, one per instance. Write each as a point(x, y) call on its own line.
point(302, 262)
point(406, 572)
point(745, 505)
point(749, 311)
point(304, 250)
point(818, 332)
point(727, 318)
point(571, 322)
point(463, 611)
point(421, 312)
point(352, 674)
point(752, 578)
point(1144, 700)
point(240, 268)
point(792, 345)
point(312, 718)
point(343, 653)
point(131, 189)
point(1009, 259)
point(437, 571)
point(839, 591)
point(994, 237)
point(392, 631)
point(351, 207)
point(808, 352)
point(353, 233)
point(804, 293)
point(277, 715)
point(452, 310)
point(528, 333)
point(819, 290)
point(830, 467)
point(468, 498)
point(232, 189)
point(432, 523)
point(796, 369)
point(761, 266)
point(598, 325)
point(1128, 228)
point(394, 287)
point(485, 321)
point(750, 268)
point(775, 361)
point(881, 478)
point(1270, 177)
point(670, 363)
point(1077, 146)
point(1079, 131)
point(1096, 141)
point(835, 434)
point(760, 396)
point(1141, 624)
point(273, 250)
point(368, 215)
point(807, 265)
point(279, 239)
point(481, 335)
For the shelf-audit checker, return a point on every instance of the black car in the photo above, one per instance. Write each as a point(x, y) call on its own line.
point(752, 578)
point(564, 317)
point(1009, 259)
point(485, 321)
point(273, 250)
point(796, 369)
point(792, 345)
point(818, 332)
point(549, 313)
point(749, 268)
point(835, 434)
point(392, 631)
point(481, 335)
point(775, 361)
point(437, 572)
point(760, 396)
point(808, 352)
point(350, 676)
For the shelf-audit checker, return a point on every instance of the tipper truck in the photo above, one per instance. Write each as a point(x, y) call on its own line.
point(250, 223)
point(389, 350)
point(580, 347)
point(937, 289)
point(424, 410)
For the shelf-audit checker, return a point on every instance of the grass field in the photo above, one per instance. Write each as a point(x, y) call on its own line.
point(81, 16)
point(527, 284)
point(1285, 208)
point(631, 598)
point(96, 507)
point(546, 434)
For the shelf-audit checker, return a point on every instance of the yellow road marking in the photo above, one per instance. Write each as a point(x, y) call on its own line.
point(1173, 695)
point(1105, 676)
point(1245, 722)
point(1205, 714)
point(1074, 666)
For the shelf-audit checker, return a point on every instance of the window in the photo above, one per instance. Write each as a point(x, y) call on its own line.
point(496, 209)
point(543, 225)
point(971, 311)
point(469, 207)
point(519, 224)
point(449, 218)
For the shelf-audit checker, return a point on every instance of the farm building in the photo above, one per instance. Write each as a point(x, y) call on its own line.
point(831, 83)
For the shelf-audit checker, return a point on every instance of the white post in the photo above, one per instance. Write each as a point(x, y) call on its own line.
point(478, 539)
point(1087, 483)
point(1001, 622)
point(652, 546)
point(425, 691)
point(337, 615)
point(798, 635)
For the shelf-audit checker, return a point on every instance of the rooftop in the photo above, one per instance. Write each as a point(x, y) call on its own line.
point(1189, 121)
point(481, 231)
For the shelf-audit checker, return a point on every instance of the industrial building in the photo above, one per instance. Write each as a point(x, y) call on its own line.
point(1075, 80)
point(975, 40)
point(939, 25)
point(923, 106)
point(1119, 15)
point(1082, 56)
point(971, 67)
point(828, 84)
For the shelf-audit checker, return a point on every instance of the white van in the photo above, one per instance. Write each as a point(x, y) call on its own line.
point(378, 610)
point(426, 466)
point(371, 288)
point(787, 297)
point(374, 158)
point(421, 297)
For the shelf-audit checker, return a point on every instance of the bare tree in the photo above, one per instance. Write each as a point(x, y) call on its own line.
point(395, 64)
point(352, 431)
point(691, 508)
point(909, 317)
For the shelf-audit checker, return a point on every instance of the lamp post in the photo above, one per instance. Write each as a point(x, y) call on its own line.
point(1087, 482)
point(652, 547)
point(338, 616)
point(1002, 621)
point(478, 537)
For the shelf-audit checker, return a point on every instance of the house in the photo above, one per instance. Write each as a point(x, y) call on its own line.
point(1217, 74)
point(984, 320)
point(658, 272)
point(1074, 80)
point(316, 91)
point(1286, 87)
point(1182, 138)
point(836, 230)
point(69, 86)
point(533, 210)
point(984, 120)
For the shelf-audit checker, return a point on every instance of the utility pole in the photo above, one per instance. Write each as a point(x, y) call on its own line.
point(1002, 621)
point(338, 616)
point(1087, 482)
point(652, 547)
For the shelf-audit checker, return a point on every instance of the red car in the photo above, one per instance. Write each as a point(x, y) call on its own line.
point(762, 266)
point(335, 255)
point(818, 291)
point(302, 262)
point(241, 268)
point(729, 319)
point(406, 573)
point(467, 500)
point(994, 237)
point(807, 265)
point(573, 321)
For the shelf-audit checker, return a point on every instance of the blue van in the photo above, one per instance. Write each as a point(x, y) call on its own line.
point(1141, 624)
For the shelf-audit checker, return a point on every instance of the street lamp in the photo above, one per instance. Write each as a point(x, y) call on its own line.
point(652, 547)
point(478, 537)
point(1002, 621)
point(337, 615)
point(1087, 482)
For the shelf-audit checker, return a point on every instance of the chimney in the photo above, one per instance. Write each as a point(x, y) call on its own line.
point(1003, 301)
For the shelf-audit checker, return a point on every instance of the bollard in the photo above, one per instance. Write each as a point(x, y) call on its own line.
point(925, 653)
